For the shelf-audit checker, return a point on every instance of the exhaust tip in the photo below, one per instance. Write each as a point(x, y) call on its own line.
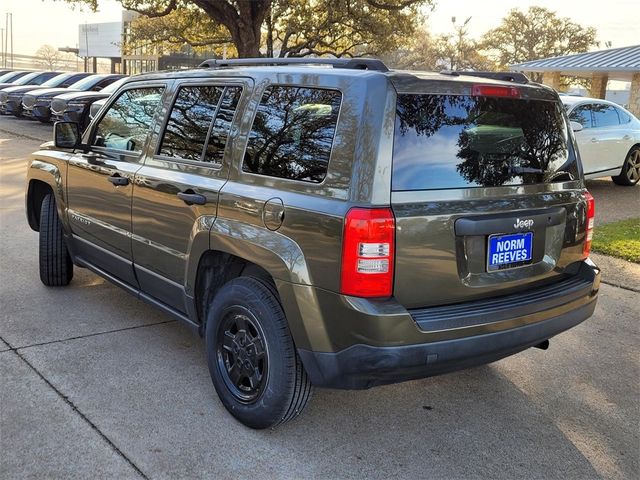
point(543, 345)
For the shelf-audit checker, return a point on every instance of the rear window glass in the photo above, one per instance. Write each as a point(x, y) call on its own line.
point(459, 141)
point(293, 133)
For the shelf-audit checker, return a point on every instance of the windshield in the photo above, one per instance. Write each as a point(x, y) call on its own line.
point(86, 83)
point(27, 78)
point(460, 141)
point(8, 76)
point(114, 86)
point(57, 80)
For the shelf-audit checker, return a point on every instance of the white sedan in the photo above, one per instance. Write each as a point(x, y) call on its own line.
point(608, 138)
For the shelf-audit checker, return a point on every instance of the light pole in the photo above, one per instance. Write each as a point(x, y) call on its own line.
point(11, 25)
point(461, 31)
point(6, 37)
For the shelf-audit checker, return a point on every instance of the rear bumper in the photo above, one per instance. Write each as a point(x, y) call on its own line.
point(502, 329)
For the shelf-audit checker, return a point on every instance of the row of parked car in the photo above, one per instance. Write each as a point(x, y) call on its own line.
point(51, 96)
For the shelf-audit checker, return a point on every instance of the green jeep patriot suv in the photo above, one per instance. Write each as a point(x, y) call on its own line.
point(326, 222)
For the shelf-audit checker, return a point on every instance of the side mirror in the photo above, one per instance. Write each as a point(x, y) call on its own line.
point(575, 126)
point(66, 135)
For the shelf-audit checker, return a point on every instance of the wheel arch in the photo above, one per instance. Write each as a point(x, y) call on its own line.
point(37, 190)
point(239, 249)
point(43, 178)
point(215, 269)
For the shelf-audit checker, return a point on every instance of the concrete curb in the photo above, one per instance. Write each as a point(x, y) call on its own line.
point(618, 272)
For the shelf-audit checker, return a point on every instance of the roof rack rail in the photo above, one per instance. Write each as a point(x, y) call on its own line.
point(352, 63)
point(515, 77)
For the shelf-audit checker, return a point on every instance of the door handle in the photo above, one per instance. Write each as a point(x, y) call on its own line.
point(594, 140)
point(191, 198)
point(94, 158)
point(118, 181)
point(627, 137)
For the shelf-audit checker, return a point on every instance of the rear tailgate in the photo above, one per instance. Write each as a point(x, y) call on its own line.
point(487, 195)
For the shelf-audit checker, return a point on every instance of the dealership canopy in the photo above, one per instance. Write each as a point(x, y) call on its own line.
point(601, 66)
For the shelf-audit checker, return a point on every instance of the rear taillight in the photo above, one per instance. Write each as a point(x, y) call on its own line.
point(591, 214)
point(367, 252)
point(495, 91)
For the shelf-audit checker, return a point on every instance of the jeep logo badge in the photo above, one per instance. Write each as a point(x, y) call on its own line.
point(528, 223)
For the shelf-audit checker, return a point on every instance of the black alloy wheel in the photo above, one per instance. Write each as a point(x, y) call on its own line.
point(242, 354)
point(252, 359)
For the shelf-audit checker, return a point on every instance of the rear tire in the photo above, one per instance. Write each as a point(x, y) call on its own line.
point(56, 267)
point(252, 359)
point(630, 173)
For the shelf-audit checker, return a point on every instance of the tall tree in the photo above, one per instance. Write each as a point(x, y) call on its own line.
point(534, 34)
point(458, 51)
point(244, 21)
point(297, 28)
point(186, 27)
point(419, 52)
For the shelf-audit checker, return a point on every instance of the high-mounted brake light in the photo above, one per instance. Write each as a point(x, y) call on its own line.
point(591, 214)
point(495, 91)
point(368, 252)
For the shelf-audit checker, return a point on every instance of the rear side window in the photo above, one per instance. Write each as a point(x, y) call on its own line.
point(188, 126)
point(624, 116)
point(292, 133)
point(459, 141)
point(222, 124)
point(126, 123)
point(201, 115)
point(604, 115)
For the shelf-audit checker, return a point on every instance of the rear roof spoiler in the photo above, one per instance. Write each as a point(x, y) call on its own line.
point(352, 63)
point(514, 77)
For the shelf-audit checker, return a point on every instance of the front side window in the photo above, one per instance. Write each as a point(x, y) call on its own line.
point(128, 120)
point(292, 133)
point(460, 141)
point(582, 115)
point(604, 115)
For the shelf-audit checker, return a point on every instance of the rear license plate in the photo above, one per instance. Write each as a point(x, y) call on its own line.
point(509, 251)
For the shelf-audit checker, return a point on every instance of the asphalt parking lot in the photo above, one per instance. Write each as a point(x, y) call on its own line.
point(96, 384)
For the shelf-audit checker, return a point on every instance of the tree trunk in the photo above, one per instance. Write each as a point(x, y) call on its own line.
point(243, 19)
point(247, 47)
point(269, 34)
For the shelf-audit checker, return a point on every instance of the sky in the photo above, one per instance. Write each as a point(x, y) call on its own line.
point(39, 22)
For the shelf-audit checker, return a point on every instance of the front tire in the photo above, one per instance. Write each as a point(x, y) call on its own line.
point(252, 359)
point(630, 173)
point(56, 267)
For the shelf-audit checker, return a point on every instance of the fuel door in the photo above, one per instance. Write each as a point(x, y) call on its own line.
point(273, 213)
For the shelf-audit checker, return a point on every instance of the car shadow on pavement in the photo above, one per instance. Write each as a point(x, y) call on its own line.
point(148, 390)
